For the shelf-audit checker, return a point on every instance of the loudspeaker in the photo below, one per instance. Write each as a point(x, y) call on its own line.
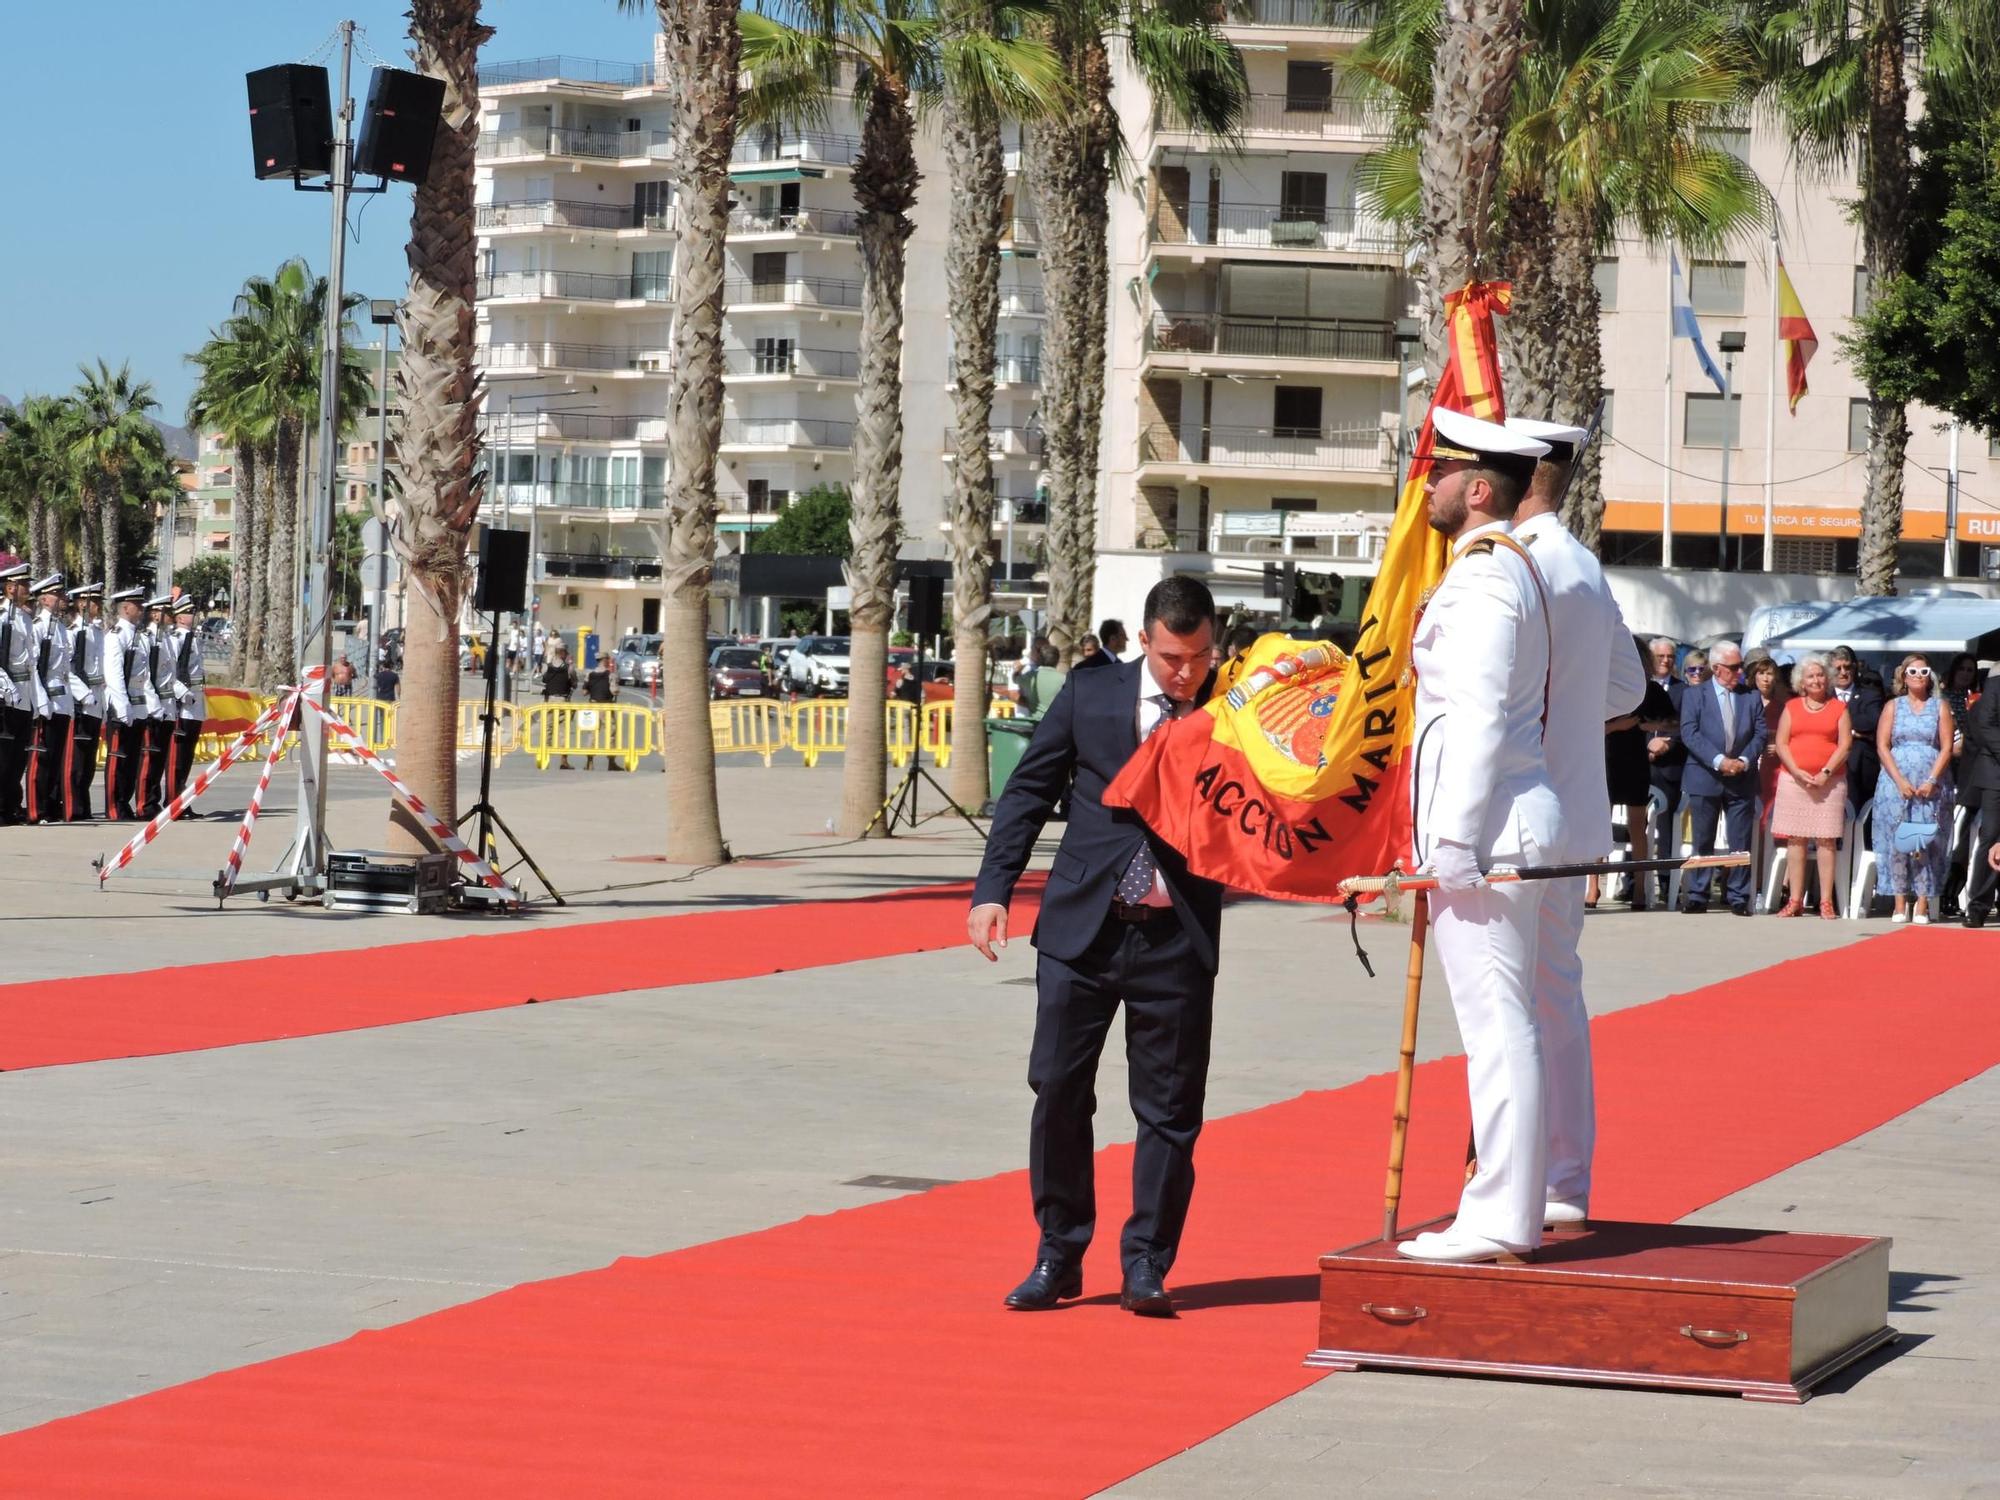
point(926, 612)
point(399, 125)
point(503, 573)
point(291, 122)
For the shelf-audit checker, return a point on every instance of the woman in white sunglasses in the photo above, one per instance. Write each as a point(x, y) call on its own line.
point(1913, 799)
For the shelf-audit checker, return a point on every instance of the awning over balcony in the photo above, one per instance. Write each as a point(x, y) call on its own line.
point(776, 172)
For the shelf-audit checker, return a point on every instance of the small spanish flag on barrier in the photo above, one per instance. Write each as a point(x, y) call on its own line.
point(230, 711)
point(1295, 774)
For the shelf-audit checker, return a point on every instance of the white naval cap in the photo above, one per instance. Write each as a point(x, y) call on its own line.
point(19, 570)
point(52, 584)
point(135, 594)
point(1459, 436)
point(1563, 441)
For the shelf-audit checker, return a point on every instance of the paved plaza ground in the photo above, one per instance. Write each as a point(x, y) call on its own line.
point(164, 1218)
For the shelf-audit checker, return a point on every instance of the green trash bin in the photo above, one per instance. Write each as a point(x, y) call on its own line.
point(1006, 741)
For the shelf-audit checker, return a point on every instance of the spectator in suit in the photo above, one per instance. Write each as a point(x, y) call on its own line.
point(1723, 728)
point(1665, 754)
point(1851, 685)
point(1979, 771)
point(1961, 690)
point(1629, 770)
point(1100, 650)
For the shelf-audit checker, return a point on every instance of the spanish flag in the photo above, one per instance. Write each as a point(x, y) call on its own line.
point(1295, 774)
point(231, 711)
point(1801, 343)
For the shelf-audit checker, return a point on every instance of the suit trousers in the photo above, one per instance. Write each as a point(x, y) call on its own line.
point(1169, 1004)
point(121, 767)
point(1666, 823)
point(1563, 1023)
point(1487, 939)
point(1979, 889)
point(1737, 808)
point(49, 778)
point(84, 731)
point(17, 732)
point(181, 759)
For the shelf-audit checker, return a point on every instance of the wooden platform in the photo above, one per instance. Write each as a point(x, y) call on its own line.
point(1760, 1313)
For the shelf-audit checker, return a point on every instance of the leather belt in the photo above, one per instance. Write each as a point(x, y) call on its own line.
point(1126, 912)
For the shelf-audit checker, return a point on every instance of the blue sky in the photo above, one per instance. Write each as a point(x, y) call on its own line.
point(131, 215)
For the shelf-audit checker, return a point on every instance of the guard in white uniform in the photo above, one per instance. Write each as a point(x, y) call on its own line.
point(190, 697)
point(128, 687)
point(1482, 797)
point(1597, 678)
point(166, 713)
point(48, 764)
point(86, 694)
point(22, 699)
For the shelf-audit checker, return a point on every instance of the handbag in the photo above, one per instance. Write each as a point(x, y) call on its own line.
point(1913, 835)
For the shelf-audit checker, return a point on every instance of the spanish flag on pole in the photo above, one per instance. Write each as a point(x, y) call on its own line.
point(1296, 773)
point(1801, 343)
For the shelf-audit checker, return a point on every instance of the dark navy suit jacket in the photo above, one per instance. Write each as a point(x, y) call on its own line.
point(1706, 737)
point(1088, 732)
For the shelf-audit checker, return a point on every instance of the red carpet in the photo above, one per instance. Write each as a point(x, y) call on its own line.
point(52, 1021)
point(866, 1353)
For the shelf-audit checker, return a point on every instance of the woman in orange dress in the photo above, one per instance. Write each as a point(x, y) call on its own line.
point(1814, 738)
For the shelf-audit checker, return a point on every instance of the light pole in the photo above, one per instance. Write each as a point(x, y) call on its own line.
point(1951, 507)
point(1409, 332)
point(382, 313)
point(1731, 343)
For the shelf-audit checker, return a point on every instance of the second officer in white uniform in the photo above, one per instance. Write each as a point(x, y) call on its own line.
point(1482, 798)
point(1597, 677)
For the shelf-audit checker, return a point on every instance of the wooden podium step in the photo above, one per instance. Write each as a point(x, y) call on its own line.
point(1761, 1313)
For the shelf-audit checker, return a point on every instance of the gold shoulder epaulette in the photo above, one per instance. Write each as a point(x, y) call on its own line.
point(1484, 546)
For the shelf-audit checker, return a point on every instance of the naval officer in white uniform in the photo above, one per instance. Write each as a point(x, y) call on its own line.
point(1597, 677)
point(1482, 797)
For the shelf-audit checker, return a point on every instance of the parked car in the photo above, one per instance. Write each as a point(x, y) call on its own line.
point(900, 660)
point(638, 654)
point(471, 652)
point(818, 666)
point(779, 649)
point(737, 672)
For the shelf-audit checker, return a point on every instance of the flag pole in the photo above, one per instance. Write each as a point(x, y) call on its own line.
point(1771, 415)
point(1406, 1062)
point(1667, 434)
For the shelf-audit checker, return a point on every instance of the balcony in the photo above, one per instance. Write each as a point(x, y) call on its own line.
point(566, 213)
point(576, 142)
point(580, 72)
point(589, 567)
point(1004, 442)
point(798, 364)
point(1008, 369)
point(573, 494)
point(1357, 537)
point(797, 291)
point(1023, 302)
point(1286, 451)
point(516, 359)
point(1028, 510)
point(804, 223)
point(1292, 341)
point(1292, 121)
point(737, 502)
point(765, 147)
point(527, 428)
point(786, 434)
point(1304, 15)
point(574, 286)
point(1269, 226)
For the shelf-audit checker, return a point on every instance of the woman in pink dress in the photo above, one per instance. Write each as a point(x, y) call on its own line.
point(1813, 740)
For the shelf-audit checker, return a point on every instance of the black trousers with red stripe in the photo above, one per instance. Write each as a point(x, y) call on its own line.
point(153, 768)
point(121, 768)
point(181, 760)
point(48, 768)
point(17, 733)
point(84, 732)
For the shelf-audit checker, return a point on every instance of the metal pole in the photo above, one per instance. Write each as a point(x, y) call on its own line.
point(1402, 414)
point(1771, 418)
point(1728, 442)
point(1951, 507)
point(379, 623)
point(1667, 436)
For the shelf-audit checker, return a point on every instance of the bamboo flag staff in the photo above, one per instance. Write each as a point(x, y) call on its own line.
point(1413, 979)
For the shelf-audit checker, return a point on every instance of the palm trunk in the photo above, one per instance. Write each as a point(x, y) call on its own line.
point(439, 391)
point(1884, 216)
point(107, 488)
point(257, 598)
point(278, 661)
point(38, 532)
point(1580, 366)
point(1531, 333)
point(977, 159)
point(702, 49)
point(1472, 83)
point(242, 540)
point(885, 187)
point(89, 554)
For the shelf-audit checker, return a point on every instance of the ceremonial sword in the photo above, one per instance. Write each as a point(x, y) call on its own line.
point(1395, 880)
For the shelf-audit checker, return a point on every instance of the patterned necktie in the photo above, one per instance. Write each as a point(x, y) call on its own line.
point(1136, 884)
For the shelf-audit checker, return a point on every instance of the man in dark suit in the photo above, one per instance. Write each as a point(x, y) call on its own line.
point(1665, 756)
point(1105, 647)
point(1861, 691)
point(1723, 728)
point(1979, 785)
point(1122, 920)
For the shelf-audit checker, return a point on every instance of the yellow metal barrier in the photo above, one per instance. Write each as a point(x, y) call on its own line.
point(506, 726)
point(901, 730)
point(816, 726)
point(937, 731)
point(373, 719)
point(755, 725)
point(625, 732)
point(1000, 708)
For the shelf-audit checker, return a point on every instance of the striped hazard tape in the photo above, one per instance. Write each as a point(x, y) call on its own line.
point(226, 882)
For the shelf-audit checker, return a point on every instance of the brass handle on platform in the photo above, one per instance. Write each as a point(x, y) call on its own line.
point(1395, 1314)
point(1716, 1336)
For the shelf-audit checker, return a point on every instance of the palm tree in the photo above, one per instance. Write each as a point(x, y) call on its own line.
point(702, 52)
point(984, 37)
point(226, 398)
point(36, 473)
point(1193, 73)
point(438, 389)
point(111, 434)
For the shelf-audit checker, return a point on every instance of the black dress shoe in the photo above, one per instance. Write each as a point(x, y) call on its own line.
point(1145, 1291)
point(1694, 908)
point(1047, 1284)
point(1975, 916)
point(1738, 911)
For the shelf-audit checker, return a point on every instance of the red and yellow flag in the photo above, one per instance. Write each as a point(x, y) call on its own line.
point(1295, 774)
point(1801, 343)
point(230, 711)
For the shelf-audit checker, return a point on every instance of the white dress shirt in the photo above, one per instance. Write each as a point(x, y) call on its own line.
point(1150, 712)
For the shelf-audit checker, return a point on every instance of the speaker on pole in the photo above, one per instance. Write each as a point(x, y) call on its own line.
point(926, 612)
point(291, 121)
point(399, 125)
point(503, 573)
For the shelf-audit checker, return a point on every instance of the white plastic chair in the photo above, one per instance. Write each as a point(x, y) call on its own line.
point(1860, 862)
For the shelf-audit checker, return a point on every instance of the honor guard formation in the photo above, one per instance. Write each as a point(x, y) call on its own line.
point(67, 683)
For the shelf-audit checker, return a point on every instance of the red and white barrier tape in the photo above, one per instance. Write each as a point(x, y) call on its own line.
point(226, 882)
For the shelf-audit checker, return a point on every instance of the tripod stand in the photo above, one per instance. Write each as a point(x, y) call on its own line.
point(489, 815)
point(902, 802)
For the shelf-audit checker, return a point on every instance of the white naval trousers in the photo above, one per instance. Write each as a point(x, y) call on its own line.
point(1486, 940)
point(1564, 1026)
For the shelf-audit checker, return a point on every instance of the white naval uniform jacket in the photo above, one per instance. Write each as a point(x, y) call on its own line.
point(128, 682)
point(1598, 676)
point(160, 669)
point(1482, 661)
point(22, 687)
point(86, 667)
point(50, 636)
point(191, 697)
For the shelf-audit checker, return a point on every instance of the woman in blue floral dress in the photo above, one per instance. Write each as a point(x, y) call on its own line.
point(1914, 738)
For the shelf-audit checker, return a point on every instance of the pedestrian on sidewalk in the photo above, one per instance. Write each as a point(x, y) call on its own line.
point(558, 685)
point(602, 692)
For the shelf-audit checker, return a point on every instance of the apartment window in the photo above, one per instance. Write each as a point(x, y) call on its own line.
point(1993, 447)
point(1864, 295)
point(1295, 410)
point(1805, 555)
point(1302, 196)
point(1309, 87)
point(1735, 141)
point(1857, 425)
point(1716, 286)
point(1294, 505)
point(772, 357)
point(1605, 276)
point(651, 201)
point(1704, 425)
point(767, 269)
point(763, 500)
